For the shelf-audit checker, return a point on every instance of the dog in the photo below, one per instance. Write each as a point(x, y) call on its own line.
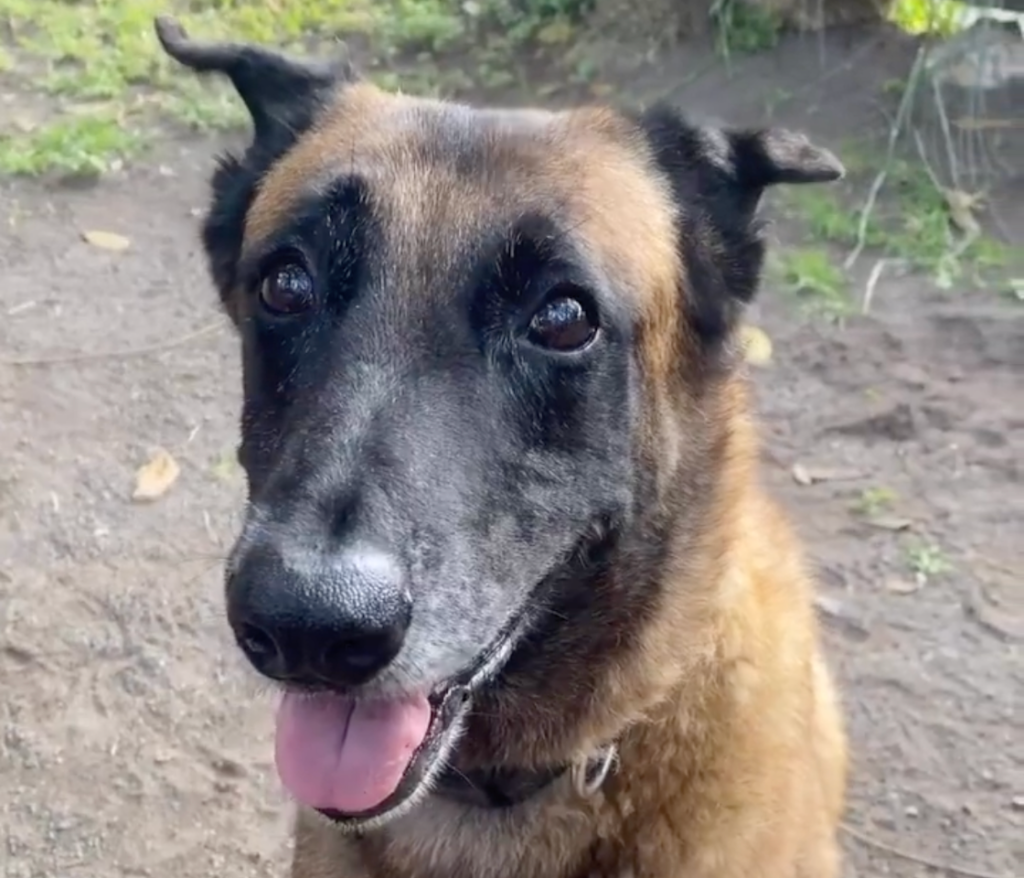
point(505, 547)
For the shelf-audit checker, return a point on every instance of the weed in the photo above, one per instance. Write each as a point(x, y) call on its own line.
point(911, 223)
point(810, 275)
point(823, 212)
point(874, 501)
point(744, 28)
point(927, 560)
point(77, 146)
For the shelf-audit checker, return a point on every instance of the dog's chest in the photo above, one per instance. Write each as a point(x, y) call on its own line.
point(447, 840)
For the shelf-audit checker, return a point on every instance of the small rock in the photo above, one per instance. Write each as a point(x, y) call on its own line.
point(898, 585)
point(1017, 803)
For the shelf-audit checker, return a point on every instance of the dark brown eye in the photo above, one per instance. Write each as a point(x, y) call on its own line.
point(287, 289)
point(562, 324)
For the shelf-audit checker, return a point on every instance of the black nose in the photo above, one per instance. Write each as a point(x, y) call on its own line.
point(338, 620)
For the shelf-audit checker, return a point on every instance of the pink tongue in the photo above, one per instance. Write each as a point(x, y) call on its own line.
point(334, 753)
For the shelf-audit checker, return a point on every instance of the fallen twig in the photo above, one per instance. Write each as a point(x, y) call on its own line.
point(869, 288)
point(948, 868)
point(145, 350)
point(894, 136)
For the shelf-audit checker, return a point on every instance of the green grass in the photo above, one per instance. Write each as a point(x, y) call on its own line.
point(911, 220)
point(811, 276)
point(927, 560)
point(874, 501)
point(75, 146)
point(68, 56)
point(743, 28)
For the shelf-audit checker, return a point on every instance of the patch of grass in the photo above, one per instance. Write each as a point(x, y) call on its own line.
point(912, 220)
point(874, 501)
point(75, 146)
point(812, 277)
point(102, 49)
point(927, 560)
point(69, 53)
point(744, 28)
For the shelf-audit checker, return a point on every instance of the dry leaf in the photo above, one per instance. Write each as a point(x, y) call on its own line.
point(890, 522)
point(757, 346)
point(155, 477)
point(107, 240)
point(961, 206)
point(800, 475)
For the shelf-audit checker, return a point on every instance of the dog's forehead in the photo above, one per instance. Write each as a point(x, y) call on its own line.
point(437, 170)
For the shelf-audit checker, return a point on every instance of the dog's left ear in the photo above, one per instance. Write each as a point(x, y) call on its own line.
point(709, 162)
point(717, 177)
point(282, 94)
point(768, 157)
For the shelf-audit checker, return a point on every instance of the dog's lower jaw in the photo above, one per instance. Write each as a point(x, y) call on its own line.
point(739, 771)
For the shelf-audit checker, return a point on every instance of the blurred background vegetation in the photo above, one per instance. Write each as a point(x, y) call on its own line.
point(86, 89)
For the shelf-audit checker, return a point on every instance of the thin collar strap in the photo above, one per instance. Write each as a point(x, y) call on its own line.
point(505, 787)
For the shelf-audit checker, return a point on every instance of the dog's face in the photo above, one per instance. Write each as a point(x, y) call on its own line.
point(460, 329)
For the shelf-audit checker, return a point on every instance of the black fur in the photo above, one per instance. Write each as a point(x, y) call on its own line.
point(720, 236)
point(283, 96)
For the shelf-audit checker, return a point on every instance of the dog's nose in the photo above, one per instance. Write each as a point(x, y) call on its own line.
point(338, 621)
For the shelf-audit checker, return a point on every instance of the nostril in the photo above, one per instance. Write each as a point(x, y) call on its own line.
point(357, 658)
point(258, 645)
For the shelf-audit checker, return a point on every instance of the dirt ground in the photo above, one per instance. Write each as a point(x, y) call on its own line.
point(133, 742)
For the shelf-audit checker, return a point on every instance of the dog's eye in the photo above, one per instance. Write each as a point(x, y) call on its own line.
point(563, 324)
point(287, 289)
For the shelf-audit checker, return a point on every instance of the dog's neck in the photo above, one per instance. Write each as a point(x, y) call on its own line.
point(506, 787)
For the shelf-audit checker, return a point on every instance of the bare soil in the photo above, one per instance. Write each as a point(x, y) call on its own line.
point(132, 742)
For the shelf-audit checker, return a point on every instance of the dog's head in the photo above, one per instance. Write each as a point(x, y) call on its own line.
point(484, 357)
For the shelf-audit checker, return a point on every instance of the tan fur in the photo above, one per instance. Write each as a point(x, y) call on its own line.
point(732, 753)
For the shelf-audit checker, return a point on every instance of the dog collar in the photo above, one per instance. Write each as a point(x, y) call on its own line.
point(506, 787)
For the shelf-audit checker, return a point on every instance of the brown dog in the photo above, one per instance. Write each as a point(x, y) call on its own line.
point(506, 549)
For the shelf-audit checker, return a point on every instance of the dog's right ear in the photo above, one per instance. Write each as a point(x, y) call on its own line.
point(283, 94)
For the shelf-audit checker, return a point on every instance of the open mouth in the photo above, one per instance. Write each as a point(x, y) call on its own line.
point(361, 762)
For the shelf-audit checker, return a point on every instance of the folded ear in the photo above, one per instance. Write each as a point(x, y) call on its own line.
point(737, 163)
point(771, 156)
point(717, 177)
point(282, 94)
